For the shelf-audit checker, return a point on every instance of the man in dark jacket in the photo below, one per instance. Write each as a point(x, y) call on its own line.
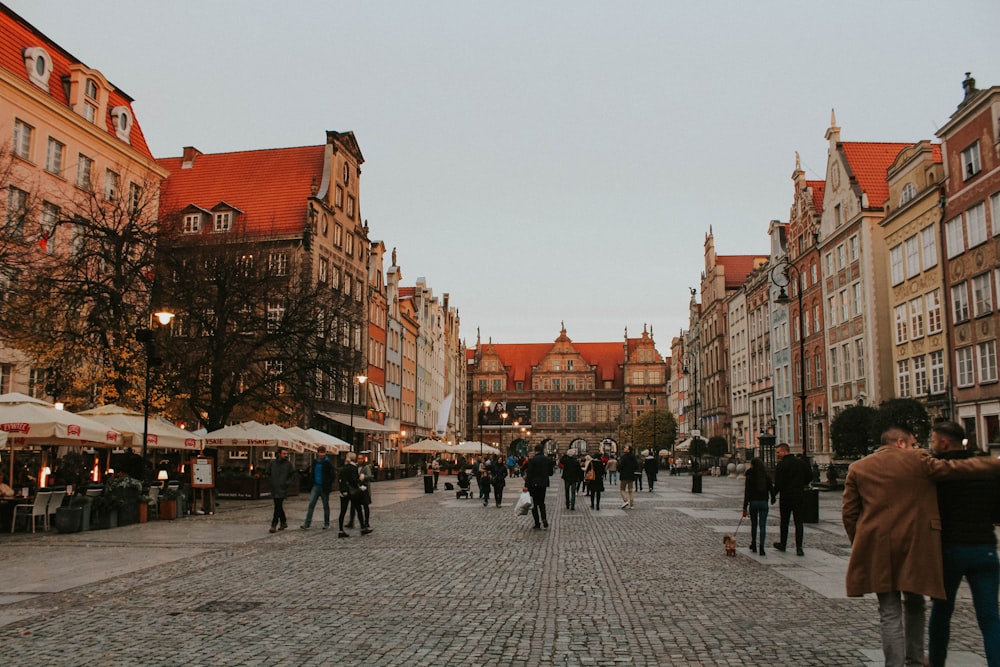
point(280, 474)
point(628, 466)
point(323, 475)
point(791, 476)
point(536, 481)
point(572, 475)
point(969, 548)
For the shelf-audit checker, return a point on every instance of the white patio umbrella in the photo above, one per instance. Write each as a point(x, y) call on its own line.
point(317, 438)
point(427, 446)
point(159, 434)
point(248, 434)
point(473, 447)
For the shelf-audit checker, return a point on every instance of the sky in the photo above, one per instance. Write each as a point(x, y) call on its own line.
point(544, 163)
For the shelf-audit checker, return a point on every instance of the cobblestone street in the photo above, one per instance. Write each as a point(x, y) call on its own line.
point(443, 581)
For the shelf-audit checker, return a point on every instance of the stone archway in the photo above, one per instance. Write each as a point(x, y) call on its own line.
point(579, 444)
point(520, 448)
point(549, 445)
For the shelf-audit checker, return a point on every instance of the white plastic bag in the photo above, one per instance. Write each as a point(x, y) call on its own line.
point(523, 505)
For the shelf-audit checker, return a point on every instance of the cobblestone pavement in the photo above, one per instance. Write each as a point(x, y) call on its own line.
point(443, 581)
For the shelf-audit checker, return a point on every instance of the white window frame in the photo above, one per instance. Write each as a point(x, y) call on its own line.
point(21, 143)
point(970, 161)
point(959, 302)
point(903, 378)
point(896, 270)
point(49, 218)
point(954, 239)
point(919, 376)
point(192, 223)
point(937, 372)
point(912, 254)
point(859, 354)
point(222, 221)
point(111, 185)
point(964, 366)
point(975, 224)
point(986, 352)
point(928, 242)
point(54, 153)
point(901, 319)
point(84, 172)
point(916, 308)
point(982, 295)
point(935, 323)
point(855, 247)
point(995, 213)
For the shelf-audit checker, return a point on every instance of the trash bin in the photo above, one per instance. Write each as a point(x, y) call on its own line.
point(696, 483)
point(810, 506)
point(428, 483)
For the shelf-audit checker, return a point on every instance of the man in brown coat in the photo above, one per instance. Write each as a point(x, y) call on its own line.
point(890, 513)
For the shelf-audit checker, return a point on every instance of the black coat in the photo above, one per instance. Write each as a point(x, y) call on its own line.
point(571, 470)
point(791, 476)
point(628, 465)
point(968, 507)
point(538, 471)
point(596, 484)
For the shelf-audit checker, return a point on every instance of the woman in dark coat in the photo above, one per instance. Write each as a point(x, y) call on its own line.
point(595, 485)
point(498, 475)
point(756, 493)
point(350, 492)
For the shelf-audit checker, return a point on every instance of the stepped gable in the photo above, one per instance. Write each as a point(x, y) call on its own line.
point(16, 35)
point(270, 187)
point(869, 163)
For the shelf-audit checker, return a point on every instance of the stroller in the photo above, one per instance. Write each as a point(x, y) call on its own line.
point(464, 482)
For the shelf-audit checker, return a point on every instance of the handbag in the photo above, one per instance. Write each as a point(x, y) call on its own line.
point(590, 475)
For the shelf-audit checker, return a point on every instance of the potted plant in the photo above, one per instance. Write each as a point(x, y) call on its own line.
point(104, 511)
point(69, 519)
point(125, 492)
point(168, 503)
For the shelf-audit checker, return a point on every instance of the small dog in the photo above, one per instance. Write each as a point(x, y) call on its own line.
point(730, 543)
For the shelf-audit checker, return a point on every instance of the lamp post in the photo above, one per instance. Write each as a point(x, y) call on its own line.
point(145, 336)
point(652, 399)
point(687, 371)
point(785, 267)
point(503, 422)
point(360, 379)
point(486, 410)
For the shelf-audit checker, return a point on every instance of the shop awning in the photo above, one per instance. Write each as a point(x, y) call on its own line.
point(360, 423)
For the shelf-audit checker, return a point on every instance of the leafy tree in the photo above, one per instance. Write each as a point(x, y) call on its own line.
point(255, 336)
point(697, 448)
point(717, 446)
point(660, 422)
point(854, 432)
point(905, 412)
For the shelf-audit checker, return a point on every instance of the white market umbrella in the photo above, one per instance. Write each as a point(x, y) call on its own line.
point(248, 434)
point(28, 421)
point(317, 438)
point(427, 447)
point(160, 433)
point(473, 447)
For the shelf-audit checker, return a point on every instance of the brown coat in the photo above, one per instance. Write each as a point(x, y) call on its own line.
point(891, 516)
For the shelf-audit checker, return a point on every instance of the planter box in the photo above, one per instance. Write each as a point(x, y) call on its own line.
point(168, 509)
point(128, 513)
point(69, 519)
point(143, 512)
point(108, 519)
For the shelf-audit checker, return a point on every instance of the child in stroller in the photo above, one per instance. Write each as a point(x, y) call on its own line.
point(464, 482)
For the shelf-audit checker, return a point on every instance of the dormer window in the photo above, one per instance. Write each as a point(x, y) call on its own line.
point(970, 161)
point(909, 192)
point(38, 65)
point(223, 221)
point(90, 100)
point(192, 223)
point(122, 119)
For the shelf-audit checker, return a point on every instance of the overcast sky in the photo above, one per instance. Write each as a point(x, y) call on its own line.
point(544, 161)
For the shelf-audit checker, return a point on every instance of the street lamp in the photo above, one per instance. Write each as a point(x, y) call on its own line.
point(652, 399)
point(360, 379)
point(687, 371)
point(785, 267)
point(503, 422)
point(145, 336)
point(486, 410)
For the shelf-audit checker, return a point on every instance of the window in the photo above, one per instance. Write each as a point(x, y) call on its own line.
point(338, 197)
point(855, 248)
point(834, 366)
point(903, 378)
point(277, 263)
point(928, 243)
point(813, 272)
point(843, 306)
point(908, 193)
point(555, 413)
point(324, 268)
point(963, 364)
point(975, 223)
point(347, 174)
point(6, 373)
point(556, 384)
point(919, 376)
point(335, 278)
point(819, 369)
point(110, 185)
point(933, 302)
point(937, 372)
point(829, 264)
point(995, 213)
point(831, 307)
point(90, 103)
point(84, 169)
point(192, 223)
point(982, 297)
point(349, 249)
point(857, 298)
point(817, 327)
point(542, 413)
point(275, 314)
point(896, 264)
point(953, 240)
point(845, 359)
point(859, 354)
point(838, 216)
point(571, 413)
point(900, 316)
point(54, 157)
point(22, 139)
point(17, 211)
point(50, 217)
point(90, 89)
point(959, 303)
point(840, 256)
point(987, 361)
point(497, 385)
point(970, 161)
point(350, 207)
point(134, 197)
point(338, 236)
point(912, 248)
point(917, 318)
point(223, 221)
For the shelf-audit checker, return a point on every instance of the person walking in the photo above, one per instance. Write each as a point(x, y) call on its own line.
point(628, 466)
point(572, 475)
point(638, 471)
point(969, 549)
point(650, 465)
point(890, 514)
point(536, 482)
point(279, 473)
point(612, 469)
point(593, 477)
point(791, 476)
point(436, 470)
point(498, 477)
point(756, 492)
point(323, 475)
point(350, 484)
point(366, 476)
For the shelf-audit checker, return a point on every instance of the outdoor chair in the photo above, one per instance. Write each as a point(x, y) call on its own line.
point(55, 501)
point(33, 510)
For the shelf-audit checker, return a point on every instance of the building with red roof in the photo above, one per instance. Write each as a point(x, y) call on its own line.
point(78, 155)
point(563, 394)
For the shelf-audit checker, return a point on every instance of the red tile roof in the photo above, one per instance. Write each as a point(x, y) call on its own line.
point(271, 187)
point(738, 267)
point(16, 35)
point(818, 188)
point(521, 358)
point(869, 163)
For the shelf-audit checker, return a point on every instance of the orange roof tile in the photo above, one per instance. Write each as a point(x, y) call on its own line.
point(16, 35)
point(738, 267)
point(869, 163)
point(271, 187)
point(818, 188)
point(521, 358)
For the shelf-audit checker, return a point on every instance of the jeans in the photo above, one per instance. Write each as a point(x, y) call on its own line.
point(317, 492)
point(570, 488)
point(902, 628)
point(979, 565)
point(758, 517)
point(612, 476)
point(788, 505)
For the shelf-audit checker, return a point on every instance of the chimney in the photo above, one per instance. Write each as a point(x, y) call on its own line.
point(969, 85)
point(190, 153)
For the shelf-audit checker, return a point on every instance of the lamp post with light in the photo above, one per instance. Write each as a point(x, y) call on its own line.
point(360, 379)
point(503, 422)
point(145, 336)
point(781, 273)
point(486, 410)
point(652, 400)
